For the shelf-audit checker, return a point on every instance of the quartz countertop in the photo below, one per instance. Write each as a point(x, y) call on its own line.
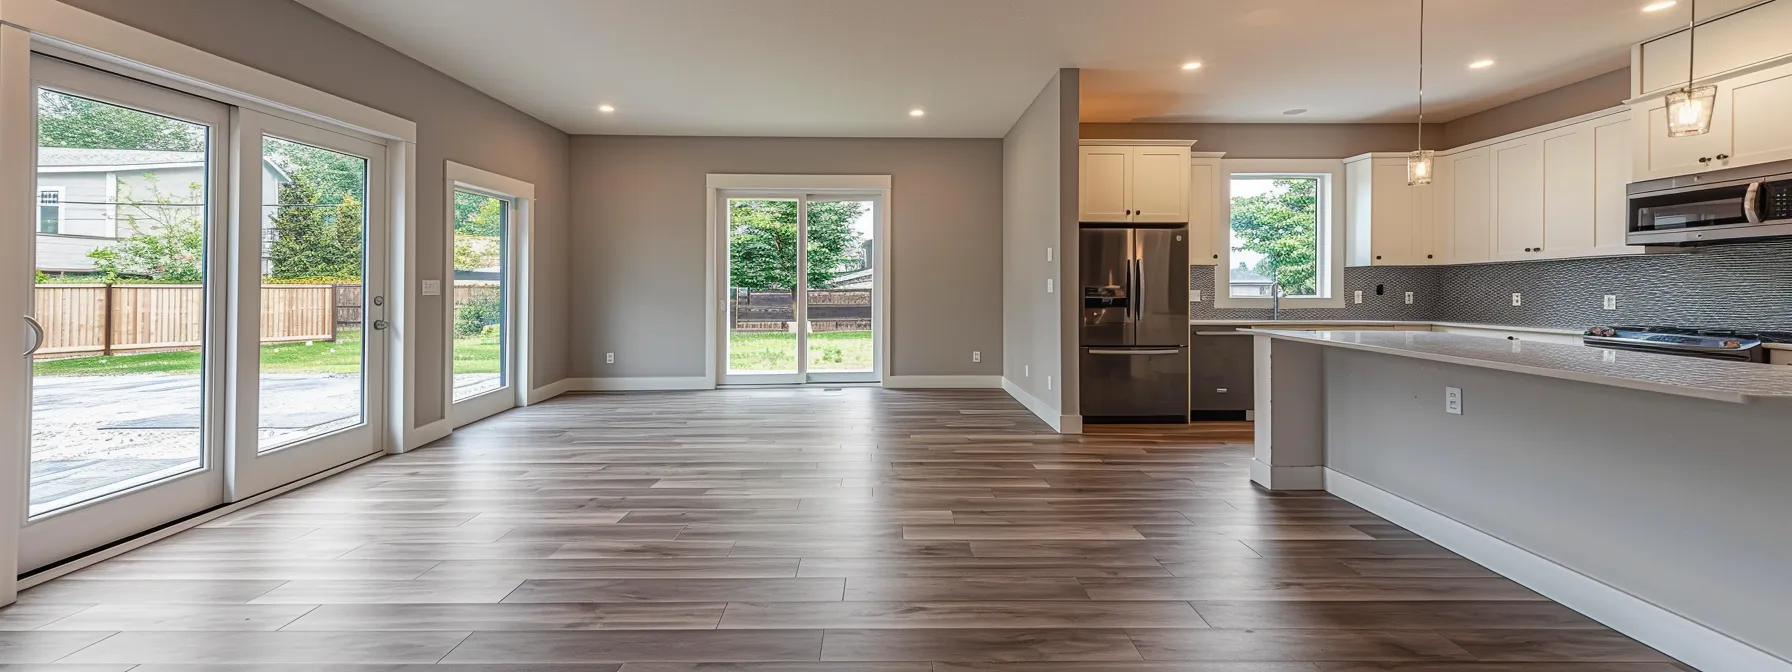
point(1733, 382)
point(1386, 323)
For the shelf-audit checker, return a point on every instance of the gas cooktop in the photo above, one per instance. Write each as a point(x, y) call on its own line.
point(1731, 344)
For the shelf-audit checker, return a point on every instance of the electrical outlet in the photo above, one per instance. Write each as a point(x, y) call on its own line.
point(1517, 299)
point(609, 358)
point(1453, 400)
point(1048, 255)
point(1409, 298)
point(1048, 285)
point(1357, 296)
point(1611, 302)
point(1194, 295)
point(976, 356)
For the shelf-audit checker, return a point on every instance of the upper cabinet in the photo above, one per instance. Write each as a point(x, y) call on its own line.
point(1388, 222)
point(1746, 56)
point(1208, 229)
point(1554, 192)
point(1140, 182)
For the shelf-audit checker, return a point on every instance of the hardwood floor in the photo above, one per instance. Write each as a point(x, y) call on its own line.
point(851, 530)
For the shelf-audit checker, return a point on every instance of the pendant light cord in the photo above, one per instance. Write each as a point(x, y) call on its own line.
point(1421, 74)
point(1692, 42)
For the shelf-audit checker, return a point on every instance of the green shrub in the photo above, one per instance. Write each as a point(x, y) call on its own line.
point(492, 332)
point(472, 317)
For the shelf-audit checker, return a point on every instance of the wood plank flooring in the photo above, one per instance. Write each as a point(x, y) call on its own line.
point(803, 530)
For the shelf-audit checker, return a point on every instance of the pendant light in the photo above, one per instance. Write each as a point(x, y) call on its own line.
point(1689, 109)
point(1420, 162)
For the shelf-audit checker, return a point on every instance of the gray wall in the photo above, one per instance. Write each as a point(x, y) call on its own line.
point(1678, 501)
point(1589, 95)
point(1278, 141)
point(639, 241)
point(454, 122)
point(1039, 192)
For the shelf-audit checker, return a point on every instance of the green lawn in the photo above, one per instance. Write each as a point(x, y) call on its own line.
point(471, 355)
point(776, 351)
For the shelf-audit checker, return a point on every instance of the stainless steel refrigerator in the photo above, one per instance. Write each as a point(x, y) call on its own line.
point(1135, 330)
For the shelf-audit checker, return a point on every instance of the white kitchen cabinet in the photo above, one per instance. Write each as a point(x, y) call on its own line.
point(1517, 198)
point(1133, 181)
point(1777, 356)
point(1208, 228)
point(1658, 155)
point(1611, 173)
point(1464, 207)
point(1104, 176)
point(1388, 222)
point(1570, 174)
point(1760, 116)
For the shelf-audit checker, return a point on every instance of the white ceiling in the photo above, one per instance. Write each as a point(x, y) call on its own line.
point(856, 67)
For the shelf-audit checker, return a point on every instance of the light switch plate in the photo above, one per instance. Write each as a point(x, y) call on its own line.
point(1048, 255)
point(1611, 302)
point(1357, 296)
point(432, 287)
point(1409, 298)
point(1453, 400)
point(1517, 299)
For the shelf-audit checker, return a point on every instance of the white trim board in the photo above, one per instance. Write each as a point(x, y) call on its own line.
point(549, 391)
point(1670, 633)
point(1062, 424)
point(668, 383)
point(519, 301)
point(805, 183)
point(84, 36)
point(943, 382)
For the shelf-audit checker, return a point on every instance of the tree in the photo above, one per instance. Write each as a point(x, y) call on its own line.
point(478, 231)
point(313, 237)
point(763, 238)
point(333, 174)
point(69, 121)
point(1283, 226)
point(166, 239)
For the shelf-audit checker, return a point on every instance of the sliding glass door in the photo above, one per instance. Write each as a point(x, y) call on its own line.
point(800, 288)
point(205, 306)
point(127, 310)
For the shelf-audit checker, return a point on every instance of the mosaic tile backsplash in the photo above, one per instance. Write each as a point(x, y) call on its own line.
point(1743, 286)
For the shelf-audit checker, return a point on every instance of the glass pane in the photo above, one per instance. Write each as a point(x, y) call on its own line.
point(1275, 236)
point(313, 250)
point(117, 392)
point(762, 239)
point(480, 234)
point(840, 277)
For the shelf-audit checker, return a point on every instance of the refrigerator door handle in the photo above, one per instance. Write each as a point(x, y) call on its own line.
point(1138, 301)
point(1135, 353)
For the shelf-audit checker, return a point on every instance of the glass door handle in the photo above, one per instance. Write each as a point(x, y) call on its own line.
point(379, 325)
point(37, 339)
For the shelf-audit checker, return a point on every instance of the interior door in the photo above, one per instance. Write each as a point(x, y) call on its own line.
point(125, 296)
point(310, 366)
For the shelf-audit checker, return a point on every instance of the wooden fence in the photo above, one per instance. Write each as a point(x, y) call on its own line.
point(829, 310)
point(105, 319)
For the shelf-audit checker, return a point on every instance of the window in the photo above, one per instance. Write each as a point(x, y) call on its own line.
point(1282, 231)
point(49, 210)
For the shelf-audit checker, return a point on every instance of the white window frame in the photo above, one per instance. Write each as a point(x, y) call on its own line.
point(520, 197)
point(39, 213)
point(819, 185)
point(1330, 173)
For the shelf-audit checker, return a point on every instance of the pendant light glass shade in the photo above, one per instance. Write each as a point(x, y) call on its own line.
point(1689, 111)
point(1419, 166)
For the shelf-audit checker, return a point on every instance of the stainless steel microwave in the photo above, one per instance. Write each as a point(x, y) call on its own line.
point(1722, 205)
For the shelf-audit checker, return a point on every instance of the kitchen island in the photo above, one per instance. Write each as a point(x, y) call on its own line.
point(1645, 490)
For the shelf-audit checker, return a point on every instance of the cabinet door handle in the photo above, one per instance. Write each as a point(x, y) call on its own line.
point(1216, 256)
point(1704, 159)
point(1377, 256)
point(1723, 157)
point(1430, 256)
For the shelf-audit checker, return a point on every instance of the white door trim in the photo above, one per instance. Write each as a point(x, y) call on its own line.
point(519, 317)
point(717, 183)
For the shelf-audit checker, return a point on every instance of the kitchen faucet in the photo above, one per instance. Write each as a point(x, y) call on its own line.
point(1275, 300)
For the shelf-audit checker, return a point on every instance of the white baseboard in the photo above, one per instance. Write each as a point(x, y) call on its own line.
point(1670, 633)
point(1062, 424)
point(943, 382)
point(422, 436)
point(550, 390)
point(1287, 478)
point(638, 384)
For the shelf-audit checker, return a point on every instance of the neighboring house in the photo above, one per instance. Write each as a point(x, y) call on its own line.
point(78, 193)
point(1246, 282)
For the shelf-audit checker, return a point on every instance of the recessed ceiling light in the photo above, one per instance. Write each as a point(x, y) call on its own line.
point(1295, 111)
point(917, 112)
point(1191, 65)
point(1658, 6)
point(606, 109)
point(1483, 63)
